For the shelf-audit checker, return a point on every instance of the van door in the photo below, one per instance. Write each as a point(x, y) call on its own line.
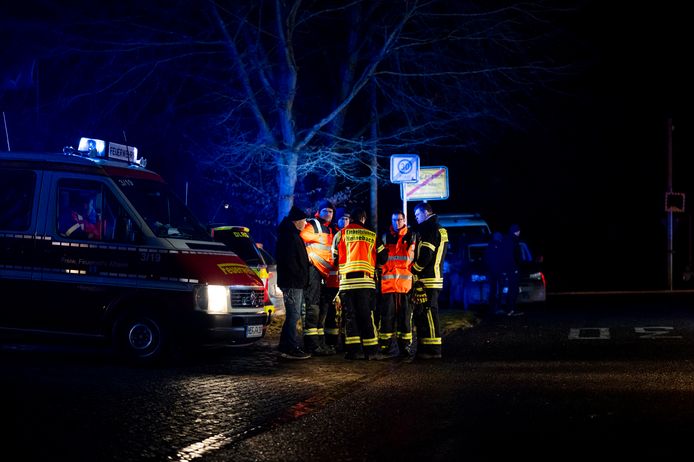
point(88, 254)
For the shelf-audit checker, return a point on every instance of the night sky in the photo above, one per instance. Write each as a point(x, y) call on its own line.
point(586, 178)
point(587, 184)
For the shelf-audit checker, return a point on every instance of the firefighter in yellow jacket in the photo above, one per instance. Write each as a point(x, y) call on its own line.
point(432, 244)
point(358, 251)
point(395, 330)
point(322, 285)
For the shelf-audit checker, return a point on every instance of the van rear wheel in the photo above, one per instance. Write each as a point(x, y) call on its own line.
point(140, 337)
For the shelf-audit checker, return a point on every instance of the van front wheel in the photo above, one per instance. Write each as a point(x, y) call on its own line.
point(140, 337)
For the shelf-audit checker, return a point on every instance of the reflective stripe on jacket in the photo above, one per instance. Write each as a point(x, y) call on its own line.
point(430, 253)
point(318, 238)
point(356, 254)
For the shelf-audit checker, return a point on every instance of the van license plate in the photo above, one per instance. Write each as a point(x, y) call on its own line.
point(254, 331)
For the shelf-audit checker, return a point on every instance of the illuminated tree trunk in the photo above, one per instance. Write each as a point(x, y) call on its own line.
point(286, 181)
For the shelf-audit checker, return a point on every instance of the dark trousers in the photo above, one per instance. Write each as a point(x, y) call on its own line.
point(313, 322)
point(360, 330)
point(329, 320)
point(426, 322)
point(497, 281)
point(396, 321)
point(512, 295)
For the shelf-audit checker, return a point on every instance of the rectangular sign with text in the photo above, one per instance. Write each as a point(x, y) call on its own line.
point(432, 185)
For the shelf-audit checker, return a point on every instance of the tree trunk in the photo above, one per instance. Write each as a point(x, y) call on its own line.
point(286, 180)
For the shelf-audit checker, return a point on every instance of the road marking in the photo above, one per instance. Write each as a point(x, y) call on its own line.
point(603, 333)
point(589, 333)
point(213, 443)
point(655, 332)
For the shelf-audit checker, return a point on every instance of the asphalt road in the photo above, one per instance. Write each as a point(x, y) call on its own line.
point(581, 378)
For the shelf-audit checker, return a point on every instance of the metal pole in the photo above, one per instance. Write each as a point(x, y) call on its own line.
point(404, 206)
point(670, 249)
point(7, 133)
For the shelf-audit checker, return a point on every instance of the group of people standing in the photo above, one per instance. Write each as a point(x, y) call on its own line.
point(339, 274)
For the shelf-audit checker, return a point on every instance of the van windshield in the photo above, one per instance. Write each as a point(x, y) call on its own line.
point(241, 244)
point(163, 211)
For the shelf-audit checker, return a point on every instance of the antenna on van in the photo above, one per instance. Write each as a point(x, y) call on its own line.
point(7, 133)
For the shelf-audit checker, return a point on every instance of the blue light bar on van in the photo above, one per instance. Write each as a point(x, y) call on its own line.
point(92, 147)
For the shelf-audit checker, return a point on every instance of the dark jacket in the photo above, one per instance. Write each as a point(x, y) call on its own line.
point(511, 253)
point(432, 244)
point(494, 256)
point(292, 258)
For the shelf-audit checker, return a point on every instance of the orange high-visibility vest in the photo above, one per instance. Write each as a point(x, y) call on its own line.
point(356, 249)
point(397, 277)
point(318, 238)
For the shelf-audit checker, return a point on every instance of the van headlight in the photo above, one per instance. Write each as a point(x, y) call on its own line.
point(213, 299)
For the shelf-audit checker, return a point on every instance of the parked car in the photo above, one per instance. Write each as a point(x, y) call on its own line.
point(241, 242)
point(465, 226)
point(465, 279)
point(462, 229)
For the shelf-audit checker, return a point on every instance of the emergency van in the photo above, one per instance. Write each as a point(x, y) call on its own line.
point(93, 245)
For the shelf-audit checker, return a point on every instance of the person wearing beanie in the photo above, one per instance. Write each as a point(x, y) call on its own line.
point(325, 204)
point(320, 325)
point(343, 220)
point(296, 214)
point(292, 278)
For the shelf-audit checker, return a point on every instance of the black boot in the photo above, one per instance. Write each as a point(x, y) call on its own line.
point(405, 348)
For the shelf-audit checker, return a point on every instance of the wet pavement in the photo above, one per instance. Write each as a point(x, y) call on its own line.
point(81, 405)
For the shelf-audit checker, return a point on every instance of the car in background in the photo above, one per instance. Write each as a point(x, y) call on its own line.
point(241, 242)
point(463, 229)
point(466, 227)
point(465, 279)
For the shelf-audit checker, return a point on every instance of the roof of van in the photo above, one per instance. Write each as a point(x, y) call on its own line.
point(69, 161)
point(453, 220)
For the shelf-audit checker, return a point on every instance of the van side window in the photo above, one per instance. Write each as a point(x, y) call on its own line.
point(16, 198)
point(87, 210)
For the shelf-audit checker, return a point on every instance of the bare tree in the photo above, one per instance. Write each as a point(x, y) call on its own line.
point(443, 74)
point(271, 95)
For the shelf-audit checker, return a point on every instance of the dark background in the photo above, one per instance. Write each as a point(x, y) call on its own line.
point(585, 178)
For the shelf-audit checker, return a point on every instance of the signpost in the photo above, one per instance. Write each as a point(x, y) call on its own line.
point(674, 202)
point(416, 182)
point(432, 185)
point(404, 168)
